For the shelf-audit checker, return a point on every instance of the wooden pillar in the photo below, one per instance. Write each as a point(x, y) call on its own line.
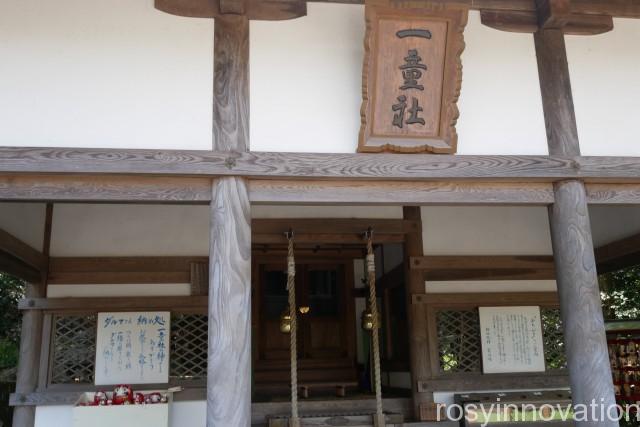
point(31, 336)
point(579, 294)
point(229, 356)
point(30, 342)
point(418, 347)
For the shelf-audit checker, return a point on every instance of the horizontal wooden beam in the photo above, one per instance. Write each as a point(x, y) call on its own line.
point(279, 226)
point(445, 268)
point(527, 22)
point(469, 382)
point(16, 248)
point(327, 238)
point(619, 254)
point(121, 270)
point(352, 167)
point(487, 299)
point(615, 8)
point(124, 303)
point(438, 262)
point(398, 192)
point(19, 269)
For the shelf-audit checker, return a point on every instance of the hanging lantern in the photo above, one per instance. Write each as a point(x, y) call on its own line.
point(285, 322)
point(366, 320)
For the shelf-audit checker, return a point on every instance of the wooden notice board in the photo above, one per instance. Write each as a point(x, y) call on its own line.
point(411, 78)
point(511, 339)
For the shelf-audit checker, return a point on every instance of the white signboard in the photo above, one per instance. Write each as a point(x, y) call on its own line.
point(511, 339)
point(133, 348)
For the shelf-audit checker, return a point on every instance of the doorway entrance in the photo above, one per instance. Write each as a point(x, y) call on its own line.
point(326, 324)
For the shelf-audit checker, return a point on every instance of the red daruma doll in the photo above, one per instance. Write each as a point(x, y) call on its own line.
point(122, 395)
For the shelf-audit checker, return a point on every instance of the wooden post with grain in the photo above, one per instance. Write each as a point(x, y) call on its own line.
point(229, 356)
point(579, 294)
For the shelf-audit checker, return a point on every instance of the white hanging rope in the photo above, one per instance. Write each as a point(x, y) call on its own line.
point(379, 420)
point(294, 421)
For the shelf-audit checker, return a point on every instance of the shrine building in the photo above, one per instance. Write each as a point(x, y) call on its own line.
point(235, 213)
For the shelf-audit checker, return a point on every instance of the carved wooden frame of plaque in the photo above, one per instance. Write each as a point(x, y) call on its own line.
point(442, 136)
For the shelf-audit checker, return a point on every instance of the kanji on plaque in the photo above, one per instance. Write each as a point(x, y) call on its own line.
point(412, 77)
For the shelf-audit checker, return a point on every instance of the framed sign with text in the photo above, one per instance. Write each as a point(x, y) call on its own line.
point(511, 339)
point(411, 77)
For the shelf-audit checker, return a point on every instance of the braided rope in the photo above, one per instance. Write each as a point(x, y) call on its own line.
point(293, 335)
point(373, 305)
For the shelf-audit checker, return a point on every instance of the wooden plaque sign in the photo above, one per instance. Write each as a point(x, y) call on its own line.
point(411, 78)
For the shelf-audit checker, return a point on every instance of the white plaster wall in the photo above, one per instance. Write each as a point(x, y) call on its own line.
point(606, 89)
point(24, 221)
point(129, 230)
point(189, 413)
point(485, 230)
point(120, 74)
point(611, 223)
point(93, 73)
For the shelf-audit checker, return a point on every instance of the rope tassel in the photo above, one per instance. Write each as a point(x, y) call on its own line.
point(379, 420)
point(294, 421)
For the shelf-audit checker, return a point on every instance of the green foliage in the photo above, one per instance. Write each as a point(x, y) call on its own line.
point(11, 291)
point(620, 291)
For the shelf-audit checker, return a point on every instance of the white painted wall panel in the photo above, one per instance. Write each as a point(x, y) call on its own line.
point(24, 221)
point(267, 211)
point(118, 73)
point(130, 230)
point(306, 81)
point(500, 103)
point(115, 73)
point(189, 413)
point(485, 230)
point(606, 89)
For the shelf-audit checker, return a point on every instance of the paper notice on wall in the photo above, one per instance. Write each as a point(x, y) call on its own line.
point(511, 339)
point(132, 348)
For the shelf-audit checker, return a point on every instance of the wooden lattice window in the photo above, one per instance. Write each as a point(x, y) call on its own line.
point(459, 344)
point(73, 349)
point(554, 351)
point(188, 346)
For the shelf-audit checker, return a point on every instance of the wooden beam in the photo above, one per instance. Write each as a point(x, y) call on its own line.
point(94, 188)
point(557, 98)
point(441, 268)
point(397, 193)
point(478, 299)
point(280, 226)
point(17, 268)
point(553, 14)
point(124, 304)
point(619, 254)
point(327, 238)
point(436, 262)
point(121, 270)
point(271, 10)
point(615, 8)
point(16, 248)
point(527, 22)
point(579, 293)
point(351, 167)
